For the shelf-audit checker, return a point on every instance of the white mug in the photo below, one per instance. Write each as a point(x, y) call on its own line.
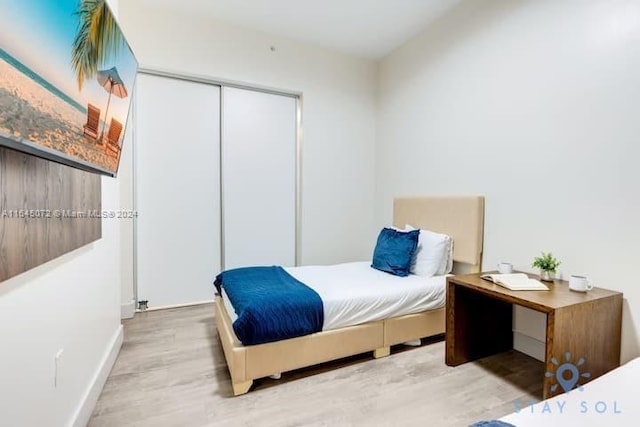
point(579, 283)
point(505, 268)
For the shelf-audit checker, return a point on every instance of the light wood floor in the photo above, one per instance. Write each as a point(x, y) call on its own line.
point(171, 372)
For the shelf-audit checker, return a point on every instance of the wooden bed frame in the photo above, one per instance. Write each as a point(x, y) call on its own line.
point(462, 218)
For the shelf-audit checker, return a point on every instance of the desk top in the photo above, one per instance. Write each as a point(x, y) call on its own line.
point(558, 296)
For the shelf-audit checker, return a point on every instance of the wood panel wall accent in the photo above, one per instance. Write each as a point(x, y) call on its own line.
point(38, 202)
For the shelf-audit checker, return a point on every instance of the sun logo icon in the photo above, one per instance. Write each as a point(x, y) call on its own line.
point(562, 370)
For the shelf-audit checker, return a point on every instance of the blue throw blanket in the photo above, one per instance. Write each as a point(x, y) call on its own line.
point(271, 304)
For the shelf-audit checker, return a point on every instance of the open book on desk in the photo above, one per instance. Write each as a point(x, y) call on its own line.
point(516, 282)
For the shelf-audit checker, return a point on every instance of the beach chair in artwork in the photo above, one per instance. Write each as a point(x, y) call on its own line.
point(93, 122)
point(113, 136)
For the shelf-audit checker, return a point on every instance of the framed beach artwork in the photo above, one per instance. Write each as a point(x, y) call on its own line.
point(66, 79)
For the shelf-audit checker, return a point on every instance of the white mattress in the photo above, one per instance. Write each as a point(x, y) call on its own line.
point(610, 400)
point(354, 293)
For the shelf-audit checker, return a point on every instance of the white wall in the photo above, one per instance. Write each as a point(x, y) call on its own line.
point(70, 303)
point(535, 105)
point(125, 180)
point(338, 108)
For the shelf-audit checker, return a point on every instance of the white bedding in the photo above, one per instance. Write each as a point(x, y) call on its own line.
point(610, 400)
point(354, 293)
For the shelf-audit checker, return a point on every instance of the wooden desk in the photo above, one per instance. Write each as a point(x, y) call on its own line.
point(587, 325)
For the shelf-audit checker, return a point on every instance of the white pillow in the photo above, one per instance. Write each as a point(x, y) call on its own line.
point(447, 263)
point(433, 255)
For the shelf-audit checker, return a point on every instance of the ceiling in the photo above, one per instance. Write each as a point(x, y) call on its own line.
point(366, 28)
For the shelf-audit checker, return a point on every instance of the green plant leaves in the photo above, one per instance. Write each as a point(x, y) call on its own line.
point(546, 262)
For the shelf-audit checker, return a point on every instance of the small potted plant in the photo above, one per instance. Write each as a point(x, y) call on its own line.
point(547, 264)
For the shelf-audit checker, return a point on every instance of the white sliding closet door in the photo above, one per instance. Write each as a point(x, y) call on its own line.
point(258, 178)
point(177, 158)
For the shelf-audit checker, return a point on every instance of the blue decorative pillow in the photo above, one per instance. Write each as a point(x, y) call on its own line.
point(491, 423)
point(394, 251)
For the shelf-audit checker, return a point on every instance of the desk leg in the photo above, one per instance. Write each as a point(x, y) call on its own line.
point(588, 331)
point(477, 325)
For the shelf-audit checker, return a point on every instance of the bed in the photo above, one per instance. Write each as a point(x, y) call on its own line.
point(607, 400)
point(462, 218)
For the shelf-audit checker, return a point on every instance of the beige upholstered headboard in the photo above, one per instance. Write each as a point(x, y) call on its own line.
point(461, 217)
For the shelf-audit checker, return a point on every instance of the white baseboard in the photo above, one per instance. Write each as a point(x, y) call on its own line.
point(186, 304)
point(529, 346)
point(128, 309)
point(89, 400)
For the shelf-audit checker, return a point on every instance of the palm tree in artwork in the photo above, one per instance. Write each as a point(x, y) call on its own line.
point(98, 39)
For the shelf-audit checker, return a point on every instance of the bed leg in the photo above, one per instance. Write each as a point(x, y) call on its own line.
point(381, 352)
point(241, 388)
